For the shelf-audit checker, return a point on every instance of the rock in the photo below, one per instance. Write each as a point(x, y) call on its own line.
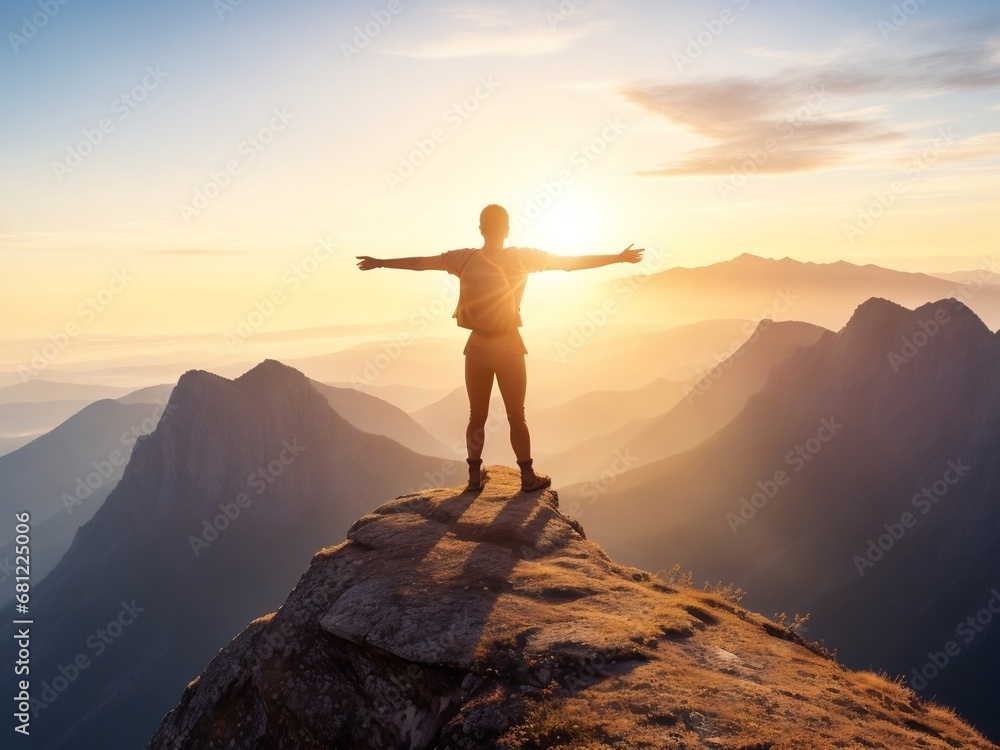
point(452, 619)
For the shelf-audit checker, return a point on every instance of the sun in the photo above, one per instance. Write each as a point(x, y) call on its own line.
point(571, 225)
point(576, 223)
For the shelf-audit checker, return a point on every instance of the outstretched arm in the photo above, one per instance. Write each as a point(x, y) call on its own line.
point(579, 262)
point(419, 263)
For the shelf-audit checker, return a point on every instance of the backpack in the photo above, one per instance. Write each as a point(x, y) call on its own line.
point(486, 300)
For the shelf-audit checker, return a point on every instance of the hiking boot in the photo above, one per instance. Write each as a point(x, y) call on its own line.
point(530, 480)
point(476, 475)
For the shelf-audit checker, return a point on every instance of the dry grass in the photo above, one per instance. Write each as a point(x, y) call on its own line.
point(724, 677)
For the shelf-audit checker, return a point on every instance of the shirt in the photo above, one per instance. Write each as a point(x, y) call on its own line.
point(482, 298)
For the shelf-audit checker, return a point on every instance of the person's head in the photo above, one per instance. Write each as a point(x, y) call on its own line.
point(494, 223)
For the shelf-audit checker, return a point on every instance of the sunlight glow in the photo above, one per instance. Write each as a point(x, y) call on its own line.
point(570, 226)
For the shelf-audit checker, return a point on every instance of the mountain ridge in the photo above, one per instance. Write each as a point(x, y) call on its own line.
point(796, 503)
point(216, 513)
point(452, 619)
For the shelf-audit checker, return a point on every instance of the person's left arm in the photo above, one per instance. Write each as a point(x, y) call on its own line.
point(580, 262)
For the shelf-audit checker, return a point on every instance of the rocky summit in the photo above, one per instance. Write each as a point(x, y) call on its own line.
point(453, 619)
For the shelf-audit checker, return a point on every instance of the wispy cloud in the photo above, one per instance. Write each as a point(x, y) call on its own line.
point(977, 148)
point(791, 112)
point(492, 31)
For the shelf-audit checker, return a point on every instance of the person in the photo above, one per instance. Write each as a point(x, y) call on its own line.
point(491, 284)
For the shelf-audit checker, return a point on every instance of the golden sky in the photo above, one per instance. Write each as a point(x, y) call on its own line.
point(214, 155)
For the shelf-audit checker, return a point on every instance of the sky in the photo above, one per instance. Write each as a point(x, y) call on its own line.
point(171, 167)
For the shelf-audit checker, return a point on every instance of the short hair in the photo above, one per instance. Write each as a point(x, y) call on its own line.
point(494, 220)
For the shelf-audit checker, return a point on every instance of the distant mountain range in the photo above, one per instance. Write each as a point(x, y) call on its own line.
point(372, 414)
point(851, 475)
point(822, 293)
point(63, 477)
point(861, 484)
point(216, 515)
point(705, 406)
point(745, 288)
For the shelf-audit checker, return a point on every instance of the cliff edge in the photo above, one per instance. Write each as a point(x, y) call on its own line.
point(453, 619)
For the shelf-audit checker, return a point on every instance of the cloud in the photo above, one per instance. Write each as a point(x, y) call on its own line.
point(492, 31)
point(787, 114)
point(741, 118)
point(976, 148)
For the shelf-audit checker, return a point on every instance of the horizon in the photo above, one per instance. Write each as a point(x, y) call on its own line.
point(130, 360)
point(833, 107)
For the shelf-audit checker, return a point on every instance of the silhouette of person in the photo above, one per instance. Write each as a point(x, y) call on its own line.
point(491, 283)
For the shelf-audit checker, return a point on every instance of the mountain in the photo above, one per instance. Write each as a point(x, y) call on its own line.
point(409, 398)
point(371, 414)
point(62, 477)
point(594, 413)
point(707, 405)
point(217, 513)
point(822, 293)
point(452, 619)
point(153, 394)
point(23, 421)
point(562, 362)
point(860, 485)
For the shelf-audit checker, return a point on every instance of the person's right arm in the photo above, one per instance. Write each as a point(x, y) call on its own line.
point(417, 263)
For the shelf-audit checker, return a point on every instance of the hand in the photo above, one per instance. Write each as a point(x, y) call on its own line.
point(628, 255)
point(368, 263)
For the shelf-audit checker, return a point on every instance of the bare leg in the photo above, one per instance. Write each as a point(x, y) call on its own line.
point(512, 379)
point(479, 385)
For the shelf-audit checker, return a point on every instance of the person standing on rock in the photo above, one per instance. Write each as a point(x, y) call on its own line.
point(491, 284)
